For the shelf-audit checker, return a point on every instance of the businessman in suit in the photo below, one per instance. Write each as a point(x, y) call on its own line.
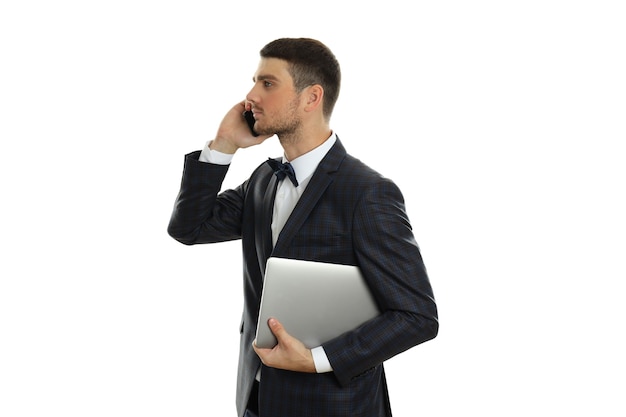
point(336, 209)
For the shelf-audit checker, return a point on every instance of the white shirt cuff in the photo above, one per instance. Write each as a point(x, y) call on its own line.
point(321, 360)
point(214, 157)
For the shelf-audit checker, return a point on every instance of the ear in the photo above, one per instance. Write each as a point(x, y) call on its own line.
point(313, 97)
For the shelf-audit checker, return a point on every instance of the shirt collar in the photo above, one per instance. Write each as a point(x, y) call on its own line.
point(304, 165)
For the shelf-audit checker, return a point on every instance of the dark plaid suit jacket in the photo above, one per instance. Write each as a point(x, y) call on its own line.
point(348, 214)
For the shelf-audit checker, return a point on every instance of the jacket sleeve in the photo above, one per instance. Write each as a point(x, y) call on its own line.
point(200, 214)
point(391, 262)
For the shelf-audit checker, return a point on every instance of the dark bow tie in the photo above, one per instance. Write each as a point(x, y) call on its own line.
point(283, 170)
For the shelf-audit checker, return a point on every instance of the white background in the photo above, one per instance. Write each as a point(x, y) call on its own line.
point(502, 122)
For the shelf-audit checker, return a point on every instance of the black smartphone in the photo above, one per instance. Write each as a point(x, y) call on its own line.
point(250, 120)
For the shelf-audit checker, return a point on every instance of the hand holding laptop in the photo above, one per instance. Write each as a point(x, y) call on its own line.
point(292, 354)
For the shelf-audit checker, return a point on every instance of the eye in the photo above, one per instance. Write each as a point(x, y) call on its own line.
point(267, 83)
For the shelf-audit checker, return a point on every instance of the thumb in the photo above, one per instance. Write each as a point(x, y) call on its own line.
point(277, 328)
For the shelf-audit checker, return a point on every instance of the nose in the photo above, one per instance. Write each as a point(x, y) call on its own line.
point(252, 97)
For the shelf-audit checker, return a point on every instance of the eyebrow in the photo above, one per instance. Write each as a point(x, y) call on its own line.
point(264, 77)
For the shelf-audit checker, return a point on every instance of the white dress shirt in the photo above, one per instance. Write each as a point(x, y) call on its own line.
point(287, 196)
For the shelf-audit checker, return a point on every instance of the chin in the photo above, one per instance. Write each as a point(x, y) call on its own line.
point(261, 130)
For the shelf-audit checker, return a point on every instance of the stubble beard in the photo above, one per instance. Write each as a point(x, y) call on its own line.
point(287, 125)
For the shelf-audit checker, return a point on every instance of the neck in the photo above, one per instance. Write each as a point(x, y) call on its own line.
point(301, 142)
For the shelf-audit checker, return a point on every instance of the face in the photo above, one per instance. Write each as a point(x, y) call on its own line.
point(275, 103)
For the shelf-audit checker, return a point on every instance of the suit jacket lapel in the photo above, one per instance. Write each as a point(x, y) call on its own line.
point(321, 179)
point(263, 223)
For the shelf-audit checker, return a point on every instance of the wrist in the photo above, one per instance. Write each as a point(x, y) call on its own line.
point(222, 146)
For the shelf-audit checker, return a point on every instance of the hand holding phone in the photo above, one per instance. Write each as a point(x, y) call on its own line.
point(250, 121)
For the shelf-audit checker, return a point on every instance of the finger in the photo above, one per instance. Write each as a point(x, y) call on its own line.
point(277, 328)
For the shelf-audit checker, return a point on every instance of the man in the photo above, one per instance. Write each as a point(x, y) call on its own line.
point(336, 210)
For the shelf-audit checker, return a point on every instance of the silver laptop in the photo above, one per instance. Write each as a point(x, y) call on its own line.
point(314, 301)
